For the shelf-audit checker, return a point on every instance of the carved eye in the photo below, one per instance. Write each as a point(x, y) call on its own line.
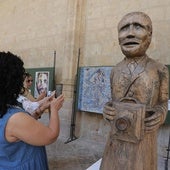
point(138, 26)
point(124, 28)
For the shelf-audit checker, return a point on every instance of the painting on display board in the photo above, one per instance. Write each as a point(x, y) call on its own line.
point(41, 82)
point(94, 88)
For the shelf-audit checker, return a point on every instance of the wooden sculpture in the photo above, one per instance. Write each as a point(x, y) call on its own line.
point(139, 89)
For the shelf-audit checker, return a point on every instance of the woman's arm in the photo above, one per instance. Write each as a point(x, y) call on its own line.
point(24, 127)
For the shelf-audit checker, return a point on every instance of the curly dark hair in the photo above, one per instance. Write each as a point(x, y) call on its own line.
point(11, 80)
point(26, 75)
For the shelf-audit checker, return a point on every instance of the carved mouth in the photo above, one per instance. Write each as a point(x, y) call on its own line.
point(130, 43)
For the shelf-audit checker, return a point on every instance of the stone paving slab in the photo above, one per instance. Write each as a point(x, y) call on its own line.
point(76, 155)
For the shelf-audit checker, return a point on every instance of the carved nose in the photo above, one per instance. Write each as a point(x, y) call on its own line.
point(131, 32)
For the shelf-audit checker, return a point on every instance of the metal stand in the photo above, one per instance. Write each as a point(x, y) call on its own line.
point(167, 157)
point(72, 129)
point(74, 105)
point(54, 83)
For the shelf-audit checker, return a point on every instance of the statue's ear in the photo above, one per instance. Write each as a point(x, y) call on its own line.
point(150, 33)
point(149, 36)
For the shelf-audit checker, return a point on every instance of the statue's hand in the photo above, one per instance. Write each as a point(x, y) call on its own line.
point(109, 112)
point(153, 120)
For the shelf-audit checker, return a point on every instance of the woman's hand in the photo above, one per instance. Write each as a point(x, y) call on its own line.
point(56, 103)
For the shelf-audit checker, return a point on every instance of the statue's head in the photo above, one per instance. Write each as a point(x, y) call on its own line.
point(135, 33)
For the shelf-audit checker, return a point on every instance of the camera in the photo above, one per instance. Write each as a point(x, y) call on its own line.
point(128, 124)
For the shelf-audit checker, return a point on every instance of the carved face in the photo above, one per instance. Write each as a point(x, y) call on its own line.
point(134, 33)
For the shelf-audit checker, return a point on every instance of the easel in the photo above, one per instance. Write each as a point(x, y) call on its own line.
point(74, 106)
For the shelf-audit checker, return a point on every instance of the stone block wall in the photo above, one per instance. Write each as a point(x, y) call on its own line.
point(35, 29)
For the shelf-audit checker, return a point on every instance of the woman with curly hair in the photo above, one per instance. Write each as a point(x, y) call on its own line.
point(22, 138)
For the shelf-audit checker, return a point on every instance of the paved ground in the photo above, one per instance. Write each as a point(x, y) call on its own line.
point(80, 154)
point(76, 155)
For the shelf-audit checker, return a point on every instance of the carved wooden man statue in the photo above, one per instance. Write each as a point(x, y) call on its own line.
point(139, 88)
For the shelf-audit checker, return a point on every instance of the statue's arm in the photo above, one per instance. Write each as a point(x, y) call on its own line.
point(159, 111)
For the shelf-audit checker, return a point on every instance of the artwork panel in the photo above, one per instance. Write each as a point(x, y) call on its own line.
point(41, 82)
point(94, 88)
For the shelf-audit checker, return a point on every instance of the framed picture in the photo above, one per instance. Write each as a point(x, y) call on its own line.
point(93, 88)
point(43, 79)
point(41, 82)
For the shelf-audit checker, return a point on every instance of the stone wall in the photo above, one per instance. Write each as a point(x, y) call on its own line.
point(35, 29)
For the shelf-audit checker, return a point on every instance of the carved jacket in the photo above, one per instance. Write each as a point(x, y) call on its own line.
point(147, 84)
